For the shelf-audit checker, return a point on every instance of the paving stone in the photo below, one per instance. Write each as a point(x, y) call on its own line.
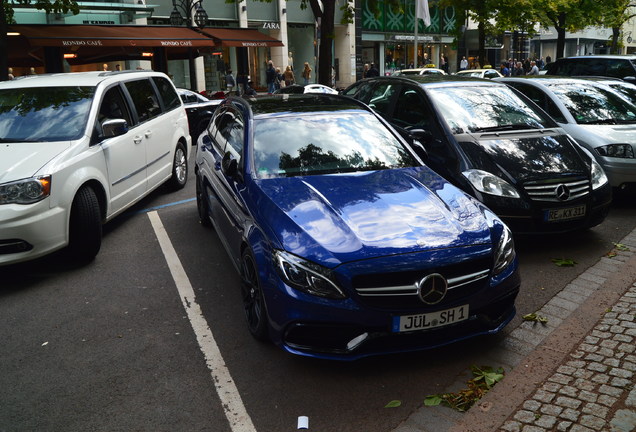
point(623, 421)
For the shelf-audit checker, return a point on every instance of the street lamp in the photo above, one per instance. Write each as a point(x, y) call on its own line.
point(192, 10)
point(189, 9)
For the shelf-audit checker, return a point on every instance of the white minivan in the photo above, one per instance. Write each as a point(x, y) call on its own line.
point(77, 149)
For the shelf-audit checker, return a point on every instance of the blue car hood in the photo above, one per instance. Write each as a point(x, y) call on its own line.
point(332, 219)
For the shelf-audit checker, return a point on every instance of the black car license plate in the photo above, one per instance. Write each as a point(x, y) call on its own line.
point(561, 214)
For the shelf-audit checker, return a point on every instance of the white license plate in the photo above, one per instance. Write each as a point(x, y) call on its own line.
point(565, 213)
point(429, 320)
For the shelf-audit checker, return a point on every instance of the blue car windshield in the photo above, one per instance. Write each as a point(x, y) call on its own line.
point(325, 143)
point(44, 114)
point(485, 108)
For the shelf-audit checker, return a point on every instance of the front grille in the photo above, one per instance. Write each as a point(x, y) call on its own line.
point(558, 190)
point(397, 290)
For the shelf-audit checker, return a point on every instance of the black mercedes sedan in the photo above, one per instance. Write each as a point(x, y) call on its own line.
point(497, 145)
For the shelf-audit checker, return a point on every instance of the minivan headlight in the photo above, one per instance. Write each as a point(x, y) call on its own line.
point(624, 151)
point(505, 253)
point(306, 276)
point(489, 183)
point(598, 175)
point(25, 191)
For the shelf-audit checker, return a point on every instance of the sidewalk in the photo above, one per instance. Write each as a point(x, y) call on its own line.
point(574, 374)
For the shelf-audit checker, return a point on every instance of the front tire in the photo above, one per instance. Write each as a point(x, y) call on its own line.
point(202, 204)
point(253, 300)
point(179, 168)
point(85, 227)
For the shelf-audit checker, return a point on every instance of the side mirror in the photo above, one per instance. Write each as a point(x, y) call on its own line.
point(229, 165)
point(114, 127)
point(630, 79)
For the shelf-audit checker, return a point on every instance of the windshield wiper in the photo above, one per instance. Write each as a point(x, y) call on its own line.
point(520, 126)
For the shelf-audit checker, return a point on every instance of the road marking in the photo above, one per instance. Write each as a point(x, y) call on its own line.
point(231, 401)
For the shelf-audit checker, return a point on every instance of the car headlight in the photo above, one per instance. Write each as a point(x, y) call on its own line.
point(598, 175)
point(306, 276)
point(491, 184)
point(505, 253)
point(624, 151)
point(26, 191)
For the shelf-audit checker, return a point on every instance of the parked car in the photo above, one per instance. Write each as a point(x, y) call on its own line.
point(615, 66)
point(199, 109)
point(308, 88)
point(80, 148)
point(596, 117)
point(480, 73)
point(420, 71)
point(496, 145)
point(347, 245)
point(625, 88)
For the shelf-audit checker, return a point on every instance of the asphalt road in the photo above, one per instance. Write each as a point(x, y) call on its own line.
point(110, 346)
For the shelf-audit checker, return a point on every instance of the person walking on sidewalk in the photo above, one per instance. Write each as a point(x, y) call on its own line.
point(306, 73)
point(289, 76)
point(270, 77)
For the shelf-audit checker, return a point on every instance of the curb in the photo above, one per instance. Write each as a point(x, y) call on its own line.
point(533, 352)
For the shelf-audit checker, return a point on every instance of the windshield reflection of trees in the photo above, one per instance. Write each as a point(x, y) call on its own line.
point(589, 105)
point(26, 100)
point(312, 159)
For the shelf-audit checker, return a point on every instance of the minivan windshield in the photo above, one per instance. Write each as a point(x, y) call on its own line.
point(479, 108)
point(44, 114)
point(593, 105)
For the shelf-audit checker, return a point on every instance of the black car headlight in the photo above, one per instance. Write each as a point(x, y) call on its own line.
point(486, 182)
point(505, 253)
point(26, 191)
point(624, 151)
point(598, 175)
point(306, 276)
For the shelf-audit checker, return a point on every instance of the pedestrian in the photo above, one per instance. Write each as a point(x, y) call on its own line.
point(463, 64)
point(306, 73)
point(10, 75)
point(230, 82)
point(365, 70)
point(270, 77)
point(288, 76)
point(518, 71)
point(373, 71)
point(117, 67)
point(105, 67)
point(280, 81)
point(504, 69)
point(534, 70)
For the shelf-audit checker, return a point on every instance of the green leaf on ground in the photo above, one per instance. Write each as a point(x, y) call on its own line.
point(562, 262)
point(484, 378)
point(535, 317)
point(393, 404)
point(621, 247)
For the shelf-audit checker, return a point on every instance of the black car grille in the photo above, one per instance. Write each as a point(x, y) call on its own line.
point(558, 190)
point(398, 290)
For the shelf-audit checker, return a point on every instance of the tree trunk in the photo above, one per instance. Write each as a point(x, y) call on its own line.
point(560, 28)
point(482, 45)
point(616, 31)
point(327, 36)
point(4, 46)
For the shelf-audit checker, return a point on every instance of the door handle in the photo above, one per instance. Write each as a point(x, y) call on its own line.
point(148, 134)
point(217, 166)
point(137, 139)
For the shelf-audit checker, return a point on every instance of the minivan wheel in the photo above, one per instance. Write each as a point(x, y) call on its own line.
point(85, 228)
point(179, 168)
point(253, 300)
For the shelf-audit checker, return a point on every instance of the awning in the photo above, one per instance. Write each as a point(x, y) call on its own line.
point(70, 36)
point(240, 37)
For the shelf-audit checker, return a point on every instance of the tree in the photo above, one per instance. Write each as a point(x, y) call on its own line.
point(6, 17)
point(615, 14)
point(566, 15)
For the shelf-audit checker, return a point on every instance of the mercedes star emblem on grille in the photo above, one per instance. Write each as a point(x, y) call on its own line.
point(562, 192)
point(432, 288)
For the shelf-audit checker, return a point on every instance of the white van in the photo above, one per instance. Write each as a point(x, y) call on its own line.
point(77, 149)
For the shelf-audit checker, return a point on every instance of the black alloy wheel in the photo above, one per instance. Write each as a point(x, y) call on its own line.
point(253, 301)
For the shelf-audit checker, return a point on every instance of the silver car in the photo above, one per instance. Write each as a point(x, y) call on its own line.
point(597, 117)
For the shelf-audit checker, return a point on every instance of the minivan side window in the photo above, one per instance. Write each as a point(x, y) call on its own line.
point(144, 99)
point(113, 106)
point(168, 94)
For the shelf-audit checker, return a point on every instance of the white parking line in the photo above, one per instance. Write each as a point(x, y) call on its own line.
point(231, 401)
